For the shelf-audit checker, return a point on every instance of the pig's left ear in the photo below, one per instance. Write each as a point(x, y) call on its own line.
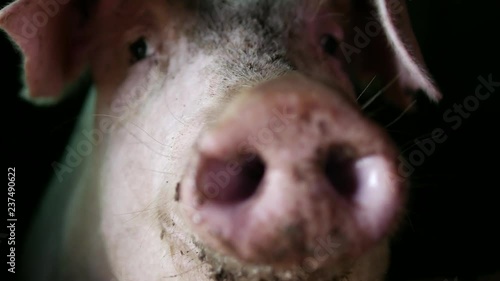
point(393, 50)
point(50, 37)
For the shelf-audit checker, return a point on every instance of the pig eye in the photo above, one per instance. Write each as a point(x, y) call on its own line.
point(329, 44)
point(139, 49)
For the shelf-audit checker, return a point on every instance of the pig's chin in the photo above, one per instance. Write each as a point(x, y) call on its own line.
point(370, 265)
point(227, 268)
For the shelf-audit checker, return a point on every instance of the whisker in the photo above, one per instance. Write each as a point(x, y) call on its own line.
point(141, 141)
point(147, 134)
point(372, 99)
point(159, 172)
point(381, 91)
point(182, 273)
point(151, 149)
point(175, 117)
point(401, 115)
point(366, 88)
point(136, 213)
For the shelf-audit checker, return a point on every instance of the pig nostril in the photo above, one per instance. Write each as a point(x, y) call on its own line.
point(340, 171)
point(232, 181)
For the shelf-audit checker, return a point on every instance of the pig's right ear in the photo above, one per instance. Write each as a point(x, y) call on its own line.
point(382, 29)
point(50, 36)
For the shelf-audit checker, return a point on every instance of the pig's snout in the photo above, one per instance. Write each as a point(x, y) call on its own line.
point(292, 171)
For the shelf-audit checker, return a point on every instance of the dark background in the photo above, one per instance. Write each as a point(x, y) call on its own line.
point(451, 229)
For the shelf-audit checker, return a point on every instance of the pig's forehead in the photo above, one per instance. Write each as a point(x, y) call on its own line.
point(214, 15)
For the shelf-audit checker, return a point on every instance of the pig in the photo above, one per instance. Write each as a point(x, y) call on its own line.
point(220, 140)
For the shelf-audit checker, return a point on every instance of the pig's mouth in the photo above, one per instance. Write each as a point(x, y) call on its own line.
point(225, 268)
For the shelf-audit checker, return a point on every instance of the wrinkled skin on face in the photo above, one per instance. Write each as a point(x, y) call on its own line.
point(167, 77)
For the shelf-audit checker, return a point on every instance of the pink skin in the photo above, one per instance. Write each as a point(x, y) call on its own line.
point(135, 209)
point(294, 192)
